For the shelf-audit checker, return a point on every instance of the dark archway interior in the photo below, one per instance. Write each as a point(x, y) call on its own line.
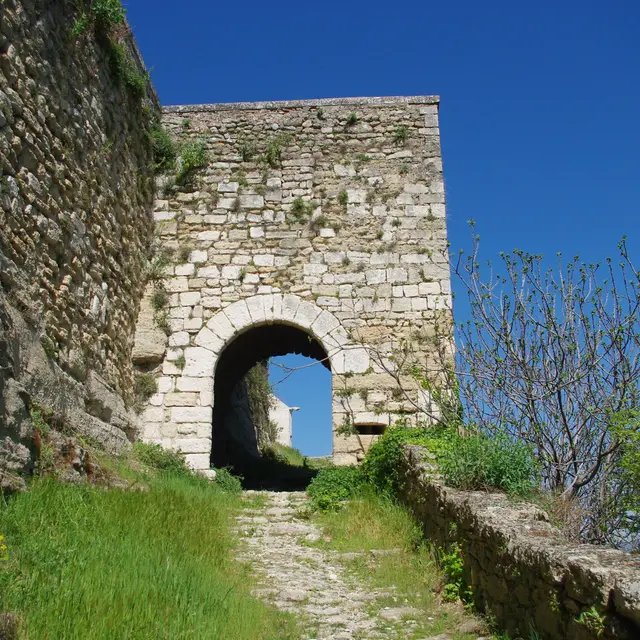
point(249, 348)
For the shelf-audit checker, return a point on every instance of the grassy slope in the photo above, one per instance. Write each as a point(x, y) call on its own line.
point(85, 562)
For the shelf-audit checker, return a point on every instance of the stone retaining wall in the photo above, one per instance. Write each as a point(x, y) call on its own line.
point(519, 567)
point(75, 225)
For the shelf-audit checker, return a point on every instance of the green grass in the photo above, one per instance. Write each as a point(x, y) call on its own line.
point(373, 522)
point(85, 562)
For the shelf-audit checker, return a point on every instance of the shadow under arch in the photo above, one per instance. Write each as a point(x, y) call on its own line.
point(239, 448)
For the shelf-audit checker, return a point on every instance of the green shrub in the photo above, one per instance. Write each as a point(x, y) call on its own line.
point(381, 466)
point(332, 486)
point(469, 462)
point(193, 155)
point(164, 149)
point(157, 457)
point(228, 482)
point(481, 462)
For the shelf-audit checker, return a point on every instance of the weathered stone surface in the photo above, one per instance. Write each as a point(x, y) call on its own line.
point(518, 565)
point(343, 238)
point(76, 202)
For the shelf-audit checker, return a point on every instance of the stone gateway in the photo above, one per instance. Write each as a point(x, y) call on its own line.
point(316, 227)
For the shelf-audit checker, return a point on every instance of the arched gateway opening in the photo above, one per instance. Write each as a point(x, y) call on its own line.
point(201, 370)
point(235, 430)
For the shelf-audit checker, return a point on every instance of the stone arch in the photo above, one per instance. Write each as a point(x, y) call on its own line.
point(201, 360)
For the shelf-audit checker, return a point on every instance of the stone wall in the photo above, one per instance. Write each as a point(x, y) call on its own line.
point(325, 215)
point(519, 567)
point(75, 226)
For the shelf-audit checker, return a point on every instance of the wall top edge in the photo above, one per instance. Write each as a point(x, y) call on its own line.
point(292, 104)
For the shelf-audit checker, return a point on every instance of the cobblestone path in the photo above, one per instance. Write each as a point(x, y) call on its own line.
point(310, 582)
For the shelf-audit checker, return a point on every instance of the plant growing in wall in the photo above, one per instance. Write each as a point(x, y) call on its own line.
point(105, 18)
point(164, 149)
point(193, 156)
point(401, 135)
point(275, 146)
point(300, 210)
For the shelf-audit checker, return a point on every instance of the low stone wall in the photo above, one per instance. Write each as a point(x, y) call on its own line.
point(76, 192)
point(519, 567)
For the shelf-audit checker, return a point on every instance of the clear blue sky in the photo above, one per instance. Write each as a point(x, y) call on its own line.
point(540, 102)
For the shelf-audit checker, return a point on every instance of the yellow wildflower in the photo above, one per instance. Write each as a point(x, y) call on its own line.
point(3, 548)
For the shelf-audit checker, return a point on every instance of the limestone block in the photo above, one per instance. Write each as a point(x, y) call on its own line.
point(251, 201)
point(181, 399)
point(238, 314)
point(176, 285)
point(397, 275)
point(199, 461)
point(198, 256)
point(306, 314)
point(356, 196)
point(231, 272)
point(163, 216)
point(189, 299)
point(206, 398)
point(401, 304)
point(150, 341)
point(221, 326)
point(255, 305)
point(228, 187)
point(165, 384)
point(208, 236)
point(264, 260)
point(183, 383)
point(193, 445)
point(256, 232)
point(199, 362)
point(179, 339)
point(314, 269)
point(153, 414)
point(191, 414)
point(289, 306)
point(210, 271)
point(277, 306)
point(327, 232)
point(323, 324)
point(192, 324)
point(209, 340)
point(370, 417)
point(418, 304)
point(185, 269)
point(344, 171)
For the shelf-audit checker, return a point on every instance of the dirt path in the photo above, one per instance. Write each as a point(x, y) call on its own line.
point(310, 582)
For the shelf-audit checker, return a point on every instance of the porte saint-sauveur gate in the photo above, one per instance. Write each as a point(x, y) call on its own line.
point(316, 227)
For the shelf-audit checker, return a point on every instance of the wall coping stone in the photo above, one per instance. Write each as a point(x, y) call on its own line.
point(379, 101)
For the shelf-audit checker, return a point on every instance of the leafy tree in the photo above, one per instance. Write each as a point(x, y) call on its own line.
point(551, 357)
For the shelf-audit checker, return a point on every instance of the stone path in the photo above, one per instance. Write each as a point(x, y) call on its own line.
point(310, 582)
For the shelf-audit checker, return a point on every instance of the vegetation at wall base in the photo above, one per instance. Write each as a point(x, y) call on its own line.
point(85, 562)
point(473, 461)
point(389, 549)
